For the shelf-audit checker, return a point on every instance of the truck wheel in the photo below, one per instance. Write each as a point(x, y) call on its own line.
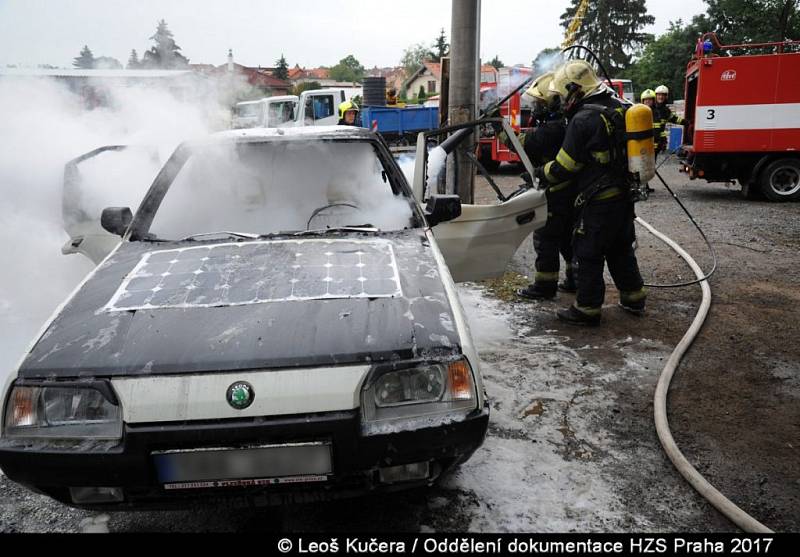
point(780, 180)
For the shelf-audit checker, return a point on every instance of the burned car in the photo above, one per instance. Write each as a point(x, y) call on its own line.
point(277, 321)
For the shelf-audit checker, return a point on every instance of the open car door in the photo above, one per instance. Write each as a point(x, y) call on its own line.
point(481, 242)
point(114, 175)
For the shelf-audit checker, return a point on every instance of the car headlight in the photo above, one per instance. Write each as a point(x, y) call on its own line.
point(68, 411)
point(413, 395)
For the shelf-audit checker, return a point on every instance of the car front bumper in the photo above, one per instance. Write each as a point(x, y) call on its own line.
point(356, 459)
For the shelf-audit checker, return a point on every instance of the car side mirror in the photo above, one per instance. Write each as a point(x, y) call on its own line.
point(442, 208)
point(116, 220)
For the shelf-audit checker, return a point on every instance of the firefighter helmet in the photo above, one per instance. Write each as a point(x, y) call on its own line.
point(662, 90)
point(540, 91)
point(574, 81)
point(347, 106)
point(541, 88)
point(648, 94)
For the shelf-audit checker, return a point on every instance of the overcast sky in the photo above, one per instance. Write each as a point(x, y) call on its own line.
point(309, 32)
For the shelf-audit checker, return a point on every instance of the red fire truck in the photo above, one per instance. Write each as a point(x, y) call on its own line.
point(491, 151)
point(743, 116)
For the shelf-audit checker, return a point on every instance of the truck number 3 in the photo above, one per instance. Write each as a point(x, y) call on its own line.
point(710, 114)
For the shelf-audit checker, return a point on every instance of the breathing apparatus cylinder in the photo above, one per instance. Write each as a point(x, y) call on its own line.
point(641, 147)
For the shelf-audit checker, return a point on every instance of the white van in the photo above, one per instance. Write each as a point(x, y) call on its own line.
point(312, 108)
point(270, 112)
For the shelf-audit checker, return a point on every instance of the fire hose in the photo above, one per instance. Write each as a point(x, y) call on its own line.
point(684, 467)
point(697, 481)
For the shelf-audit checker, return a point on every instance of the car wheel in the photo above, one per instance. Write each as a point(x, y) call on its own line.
point(780, 180)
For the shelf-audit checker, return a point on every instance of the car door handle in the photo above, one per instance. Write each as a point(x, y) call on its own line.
point(525, 218)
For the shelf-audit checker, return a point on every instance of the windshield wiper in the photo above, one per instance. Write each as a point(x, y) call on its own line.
point(370, 229)
point(244, 235)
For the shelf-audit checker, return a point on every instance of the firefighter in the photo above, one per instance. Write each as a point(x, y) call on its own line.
point(592, 157)
point(661, 116)
point(648, 98)
point(348, 114)
point(555, 238)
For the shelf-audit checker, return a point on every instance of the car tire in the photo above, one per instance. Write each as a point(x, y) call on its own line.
point(780, 180)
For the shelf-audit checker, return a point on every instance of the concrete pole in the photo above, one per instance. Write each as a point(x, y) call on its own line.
point(463, 92)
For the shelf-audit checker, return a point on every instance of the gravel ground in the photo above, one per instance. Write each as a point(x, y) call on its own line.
point(571, 445)
point(733, 406)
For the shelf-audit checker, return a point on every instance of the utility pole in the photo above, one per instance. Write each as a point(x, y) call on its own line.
point(463, 91)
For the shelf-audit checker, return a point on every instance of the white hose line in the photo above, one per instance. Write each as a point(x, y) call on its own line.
point(722, 503)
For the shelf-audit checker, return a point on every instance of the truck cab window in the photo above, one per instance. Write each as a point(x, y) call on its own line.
point(323, 107)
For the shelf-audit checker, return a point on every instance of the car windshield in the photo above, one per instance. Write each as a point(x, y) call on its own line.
point(282, 186)
point(280, 113)
point(248, 110)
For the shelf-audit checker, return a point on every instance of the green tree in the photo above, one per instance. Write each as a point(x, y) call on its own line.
point(281, 68)
point(133, 60)
point(547, 59)
point(86, 59)
point(612, 29)
point(413, 57)
point(348, 69)
point(663, 61)
point(165, 54)
point(496, 62)
point(441, 47)
point(422, 96)
point(743, 21)
point(307, 86)
point(107, 63)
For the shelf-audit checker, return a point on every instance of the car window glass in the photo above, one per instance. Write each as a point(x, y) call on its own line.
point(270, 187)
point(248, 110)
point(280, 113)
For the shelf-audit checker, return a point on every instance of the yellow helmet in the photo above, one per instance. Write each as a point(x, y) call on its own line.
point(347, 106)
point(575, 80)
point(540, 89)
point(647, 94)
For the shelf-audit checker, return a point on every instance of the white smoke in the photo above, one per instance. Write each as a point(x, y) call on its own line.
point(548, 63)
point(277, 187)
point(42, 126)
point(437, 158)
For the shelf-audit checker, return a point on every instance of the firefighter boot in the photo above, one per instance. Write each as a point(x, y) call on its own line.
point(635, 308)
point(575, 316)
point(538, 291)
point(568, 284)
point(633, 302)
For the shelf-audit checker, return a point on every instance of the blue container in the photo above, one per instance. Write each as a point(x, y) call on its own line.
point(400, 121)
point(675, 138)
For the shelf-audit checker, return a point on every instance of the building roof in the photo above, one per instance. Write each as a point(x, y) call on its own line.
point(434, 67)
point(302, 73)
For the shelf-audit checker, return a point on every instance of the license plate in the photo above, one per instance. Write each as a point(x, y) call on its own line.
point(227, 467)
